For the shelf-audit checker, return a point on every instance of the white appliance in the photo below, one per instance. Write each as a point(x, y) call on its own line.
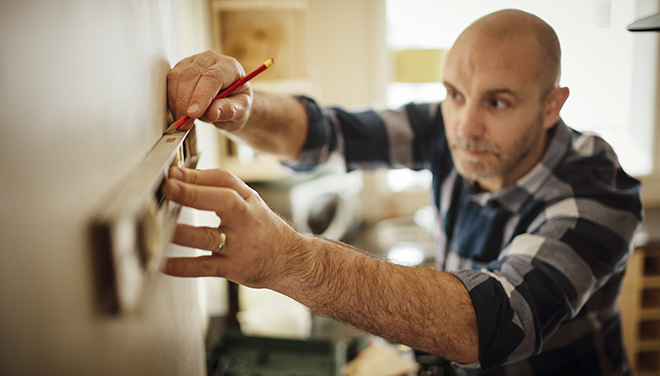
point(323, 204)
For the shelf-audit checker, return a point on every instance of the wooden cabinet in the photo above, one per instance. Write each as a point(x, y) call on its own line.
point(332, 51)
point(640, 310)
point(253, 31)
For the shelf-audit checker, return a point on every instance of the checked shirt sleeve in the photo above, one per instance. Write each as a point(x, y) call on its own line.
point(369, 139)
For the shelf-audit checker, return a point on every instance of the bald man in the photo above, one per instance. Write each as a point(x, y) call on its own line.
point(535, 219)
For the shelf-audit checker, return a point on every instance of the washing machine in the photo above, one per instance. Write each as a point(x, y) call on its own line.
point(325, 204)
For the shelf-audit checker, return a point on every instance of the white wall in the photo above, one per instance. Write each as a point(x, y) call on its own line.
point(82, 89)
point(348, 64)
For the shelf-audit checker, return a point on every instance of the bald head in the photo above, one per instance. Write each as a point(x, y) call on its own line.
point(529, 32)
point(503, 97)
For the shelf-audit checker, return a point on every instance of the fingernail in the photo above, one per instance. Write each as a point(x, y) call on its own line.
point(171, 188)
point(193, 108)
point(219, 113)
point(176, 173)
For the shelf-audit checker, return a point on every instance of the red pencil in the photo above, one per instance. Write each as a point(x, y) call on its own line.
point(223, 93)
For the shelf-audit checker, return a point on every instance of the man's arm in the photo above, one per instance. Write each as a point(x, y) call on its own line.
point(277, 125)
point(425, 309)
point(270, 123)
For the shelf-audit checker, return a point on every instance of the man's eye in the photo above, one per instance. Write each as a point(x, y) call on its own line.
point(453, 95)
point(497, 104)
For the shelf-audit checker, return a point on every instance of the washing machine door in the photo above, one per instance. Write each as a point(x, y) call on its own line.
point(328, 205)
point(322, 212)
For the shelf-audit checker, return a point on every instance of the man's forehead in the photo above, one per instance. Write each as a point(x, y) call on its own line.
point(488, 74)
point(491, 66)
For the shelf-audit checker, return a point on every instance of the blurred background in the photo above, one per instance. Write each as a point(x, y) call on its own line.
point(83, 100)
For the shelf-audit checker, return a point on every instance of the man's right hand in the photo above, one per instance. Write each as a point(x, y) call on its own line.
point(196, 80)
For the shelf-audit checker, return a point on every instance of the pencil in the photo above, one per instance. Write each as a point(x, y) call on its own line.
point(223, 93)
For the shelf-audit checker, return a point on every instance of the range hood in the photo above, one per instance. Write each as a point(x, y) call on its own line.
point(648, 23)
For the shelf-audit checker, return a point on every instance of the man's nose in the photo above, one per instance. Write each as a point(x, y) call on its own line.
point(471, 122)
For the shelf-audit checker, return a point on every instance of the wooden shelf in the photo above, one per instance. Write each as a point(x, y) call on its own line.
point(649, 314)
point(651, 283)
point(252, 31)
point(640, 310)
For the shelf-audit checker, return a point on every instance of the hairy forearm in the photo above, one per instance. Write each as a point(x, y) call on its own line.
point(425, 309)
point(277, 125)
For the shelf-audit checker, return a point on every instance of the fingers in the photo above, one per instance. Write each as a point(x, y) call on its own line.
point(213, 178)
point(225, 202)
point(202, 266)
point(233, 110)
point(246, 221)
point(207, 238)
point(195, 81)
point(211, 81)
point(173, 84)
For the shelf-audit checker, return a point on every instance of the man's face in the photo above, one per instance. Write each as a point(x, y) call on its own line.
point(494, 116)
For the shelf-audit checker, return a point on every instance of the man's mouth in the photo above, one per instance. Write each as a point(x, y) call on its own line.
point(474, 152)
point(474, 149)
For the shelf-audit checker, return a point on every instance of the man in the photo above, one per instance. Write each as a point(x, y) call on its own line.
point(536, 219)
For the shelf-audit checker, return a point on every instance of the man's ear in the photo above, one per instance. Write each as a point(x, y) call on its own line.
point(554, 101)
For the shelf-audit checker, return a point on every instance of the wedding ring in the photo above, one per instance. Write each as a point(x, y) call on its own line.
point(223, 240)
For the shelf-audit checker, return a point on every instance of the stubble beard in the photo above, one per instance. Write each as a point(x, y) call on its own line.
point(496, 161)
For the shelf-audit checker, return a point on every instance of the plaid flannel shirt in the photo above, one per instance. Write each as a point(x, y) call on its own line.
point(543, 259)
